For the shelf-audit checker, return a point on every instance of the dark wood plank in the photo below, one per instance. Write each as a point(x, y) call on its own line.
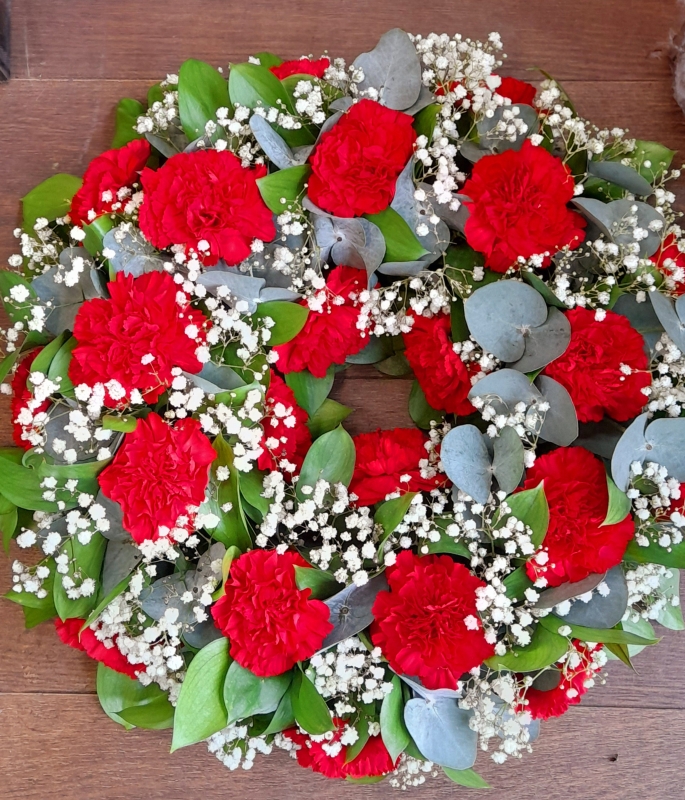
point(614, 39)
point(64, 745)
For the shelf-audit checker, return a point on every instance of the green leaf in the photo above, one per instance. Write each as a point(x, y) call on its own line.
point(619, 504)
point(401, 243)
point(419, 410)
point(17, 312)
point(200, 710)
point(245, 694)
point(268, 60)
point(7, 363)
point(542, 288)
point(466, 777)
point(517, 582)
point(285, 184)
point(156, 715)
point(310, 392)
point(111, 422)
point(85, 561)
point(251, 488)
point(283, 718)
point(609, 635)
point(460, 330)
point(390, 513)
point(362, 728)
point(658, 156)
point(621, 652)
point(117, 692)
point(128, 111)
point(545, 648)
point(310, 709)
point(252, 85)
point(331, 458)
point(396, 365)
point(58, 370)
point(530, 507)
point(50, 199)
point(35, 616)
point(155, 94)
point(232, 529)
point(44, 606)
point(393, 730)
point(8, 521)
point(671, 616)
point(106, 600)
point(95, 232)
point(447, 543)
point(327, 416)
point(201, 91)
point(424, 121)
point(289, 319)
point(322, 583)
point(43, 360)
point(654, 553)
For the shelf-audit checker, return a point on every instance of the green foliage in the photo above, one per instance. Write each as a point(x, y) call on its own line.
point(58, 370)
point(604, 635)
point(331, 458)
point(232, 529)
point(85, 561)
point(530, 507)
point(17, 312)
point(156, 715)
point(95, 233)
point(201, 710)
point(251, 488)
point(285, 184)
point(516, 583)
point(419, 409)
point(322, 583)
point(128, 111)
point(401, 243)
point(619, 504)
point(283, 716)
point(327, 416)
point(390, 513)
point(466, 777)
point(201, 91)
point(8, 521)
point(310, 392)
point(245, 694)
point(658, 156)
point(289, 319)
point(424, 120)
point(460, 330)
point(43, 360)
point(50, 199)
point(253, 85)
point(546, 647)
point(309, 708)
point(393, 730)
point(125, 699)
point(654, 553)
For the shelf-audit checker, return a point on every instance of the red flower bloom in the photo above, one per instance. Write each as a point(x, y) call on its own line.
point(671, 263)
point(330, 335)
point(87, 641)
point(302, 66)
point(383, 458)
point(270, 622)
point(104, 177)
point(158, 473)
point(142, 318)
point(372, 761)
point(591, 367)
point(443, 376)
point(517, 91)
point(206, 196)
point(518, 207)
point(427, 625)
point(21, 396)
point(576, 543)
point(356, 164)
point(575, 681)
point(286, 435)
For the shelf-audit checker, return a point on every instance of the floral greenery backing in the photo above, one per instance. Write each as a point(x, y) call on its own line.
point(243, 569)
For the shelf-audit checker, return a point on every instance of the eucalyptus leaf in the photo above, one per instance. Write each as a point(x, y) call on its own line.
point(662, 441)
point(508, 459)
point(641, 316)
point(549, 598)
point(560, 425)
point(351, 609)
point(466, 461)
point(671, 316)
point(622, 175)
point(243, 287)
point(504, 388)
point(545, 343)
point(441, 732)
point(671, 616)
point(131, 255)
point(393, 69)
point(494, 139)
point(274, 145)
point(611, 217)
point(602, 611)
point(121, 558)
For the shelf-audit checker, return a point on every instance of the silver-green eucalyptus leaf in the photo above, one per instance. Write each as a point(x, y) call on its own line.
point(351, 609)
point(622, 175)
point(667, 312)
point(601, 610)
point(544, 343)
point(466, 461)
point(504, 388)
point(494, 139)
point(549, 598)
point(393, 69)
point(561, 422)
point(508, 459)
point(441, 731)
point(121, 558)
point(272, 143)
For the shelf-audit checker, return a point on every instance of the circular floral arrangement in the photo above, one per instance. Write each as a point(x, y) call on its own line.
point(241, 567)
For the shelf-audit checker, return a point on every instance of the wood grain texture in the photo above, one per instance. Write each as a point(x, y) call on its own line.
point(72, 60)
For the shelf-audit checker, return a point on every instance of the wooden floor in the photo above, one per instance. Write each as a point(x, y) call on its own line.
point(72, 60)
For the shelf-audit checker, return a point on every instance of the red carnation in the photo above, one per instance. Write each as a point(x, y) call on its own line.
point(519, 92)
point(670, 262)
point(206, 199)
point(21, 397)
point(384, 458)
point(427, 625)
point(517, 207)
point(577, 675)
point(104, 177)
point(286, 435)
point(158, 474)
point(592, 368)
point(373, 760)
point(302, 66)
point(356, 164)
point(142, 318)
point(87, 641)
point(329, 335)
point(576, 544)
point(443, 376)
point(271, 623)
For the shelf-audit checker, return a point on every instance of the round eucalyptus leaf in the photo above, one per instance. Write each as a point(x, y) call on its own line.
point(466, 461)
point(667, 314)
point(622, 175)
point(426, 97)
point(547, 680)
point(505, 388)
point(456, 220)
point(561, 423)
point(500, 314)
point(272, 143)
point(121, 558)
point(472, 152)
point(441, 731)
point(202, 634)
point(166, 593)
point(429, 694)
point(665, 444)
point(241, 286)
point(630, 448)
point(602, 611)
point(393, 69)
point(494, 140)
point(342, 104)
point(611, 218)
point(508, 459)
point(115, 517)
point(58, 439)
point(544, 343)
point(567, 591)
point(641, 316)
point(208, 567)
point(402, 268)
point(351, 609)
